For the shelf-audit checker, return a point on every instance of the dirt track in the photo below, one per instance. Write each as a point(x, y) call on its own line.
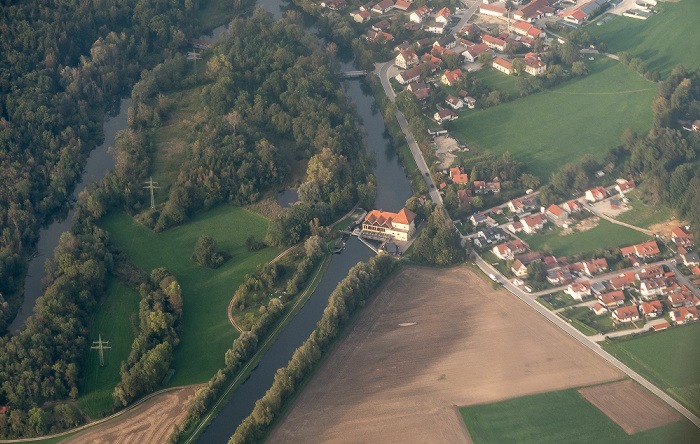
point(151, 422)
point(630, 406)
point(432, 340)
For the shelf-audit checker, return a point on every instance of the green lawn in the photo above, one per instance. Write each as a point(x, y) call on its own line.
point(112, 321)
point(553, 127)
point(662, 41)
point(206, 293)
point(605, 235)
point(497, 80)
point(560, 417)
point(669, 359)
point(644, 215)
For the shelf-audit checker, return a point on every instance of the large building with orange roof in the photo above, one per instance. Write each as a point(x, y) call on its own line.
point(384, 225)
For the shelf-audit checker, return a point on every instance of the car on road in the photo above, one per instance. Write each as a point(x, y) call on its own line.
point(427, 173)
point(493, 277)
point(528, 289)
point(517, 282)
point(432, 186)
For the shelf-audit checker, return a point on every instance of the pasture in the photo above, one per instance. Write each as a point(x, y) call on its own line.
point(669, 359)
point(562, 416)
point(497, 80)
point(662, 41)
point(548, 129)
point(206, 293)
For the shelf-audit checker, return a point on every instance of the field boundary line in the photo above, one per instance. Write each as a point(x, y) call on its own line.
point(602, 93)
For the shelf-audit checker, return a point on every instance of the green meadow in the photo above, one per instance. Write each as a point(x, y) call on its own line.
point(548, 129)
point(496, 80)
point(662, 41)
point(206, 293)
point(560, 417)
point(669, 359)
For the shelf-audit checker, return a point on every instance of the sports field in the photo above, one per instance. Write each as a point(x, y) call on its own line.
point(605, 235)
point(662, 41)
point(207, 333)
point(669, 359)
point(561, 417)
point(112, 321)
point(548, 129)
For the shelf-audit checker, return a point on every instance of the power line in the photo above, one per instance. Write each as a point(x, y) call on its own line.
point(150, 185)
point(101, 346)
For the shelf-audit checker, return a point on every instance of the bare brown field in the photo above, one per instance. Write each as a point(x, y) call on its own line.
point(151, 422)
point(431, 340)
point(630, 405)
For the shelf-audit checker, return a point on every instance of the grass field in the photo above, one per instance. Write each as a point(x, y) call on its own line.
point(553, 127)
point(112, 321)
point(663, 41)
point(497, 80)
point(557, 417)
point(643, 215)
point(669, 359)
point(605, 235)
point(206, 293)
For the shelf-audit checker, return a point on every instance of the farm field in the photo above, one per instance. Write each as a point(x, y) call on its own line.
point(649, 39)
point(562, 416)
point(207, 333)
point(551, 128)
point(605, 235)
point(112, 321)
point(668, 359)
point(387, 381)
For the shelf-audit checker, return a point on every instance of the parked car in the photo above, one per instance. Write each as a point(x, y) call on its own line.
point(528, 289)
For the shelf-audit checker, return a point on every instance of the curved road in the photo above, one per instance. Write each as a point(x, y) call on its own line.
point(556, 320)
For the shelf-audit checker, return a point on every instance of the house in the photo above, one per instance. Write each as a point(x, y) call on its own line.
point(436, 27)
point(420, 89)
point(477, 219)
point(534, 64)
point(382, 25)
point(643, 250)
point(402, 46)
point(598, 309)
point(626, 314)
point(402, 5)
point(559, 276)
point(522, 204)
point(443, 15)
point(444, 115)
point(521, 27)
point(379, 36)
point(464, 196)
point(651, 309)
point(440, 52)
point(519, 269)
point(682, 237)
point(448, 42)
point(419, 14)
point(528, 258)
point(596, 194)
point(406, 58)
point(494, 43)
point(682, 299)
point(578, 290)
point(458, 175)
point(470, 101)
point(496, 11)
point(337, 5)
point(454, 102)
point(360, 16)
point(652, 287)
point(472, 53)
point(684, 315)
point(690, 259)
point(654, 271)
point(482, 187)
point(625, 186)
point(489, 235)
point(508, 249)
point(451, 77)
point(572, 206)
point(502, 65)
point(433, 62)
point(535, 10)
point(383, 7)
point(618, 283)
point(384, 225)
point(367, 7)
point(595, 266)
point(556, 215)
point(410, 75)
point(661, 326)
point(581, 13)
point(534, 223)
point(612, 299)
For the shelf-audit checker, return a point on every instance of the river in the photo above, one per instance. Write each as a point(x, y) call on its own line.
point(99, 162)
point(393, 189)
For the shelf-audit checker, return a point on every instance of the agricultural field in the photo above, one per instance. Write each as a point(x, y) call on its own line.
point(562, 416)
point(551, 128)
point(604, 235)
point(669, 359)
point(206, 293)
point(113, 320)
point(387, 381)
point(662, 41)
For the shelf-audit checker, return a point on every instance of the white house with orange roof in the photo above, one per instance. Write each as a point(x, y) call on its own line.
point(572, 206)
point(406, 58)
point(578, 290)
point(494, 42)
point(682, 237)
point(651, 309)
point(385, 225)
point(443, 15)
point(556, 215)
point(534, 64)
point(624, 186)
point(629, 313)
point(643, 250)
point(502, 65)
point(509, 249)
point(419, 14)
point(451, 77)
point(684, 315)
point(596, 194)
point(458, 175)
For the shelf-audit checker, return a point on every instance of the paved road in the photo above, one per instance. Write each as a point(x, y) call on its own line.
point(466, 14)
point(556, 320)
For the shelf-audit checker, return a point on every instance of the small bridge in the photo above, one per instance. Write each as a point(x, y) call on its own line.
point(353, 74)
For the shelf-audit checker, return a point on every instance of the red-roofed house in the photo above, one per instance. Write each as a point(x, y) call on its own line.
point(599, 309)
point(556, 215)
point(443, 15)
point(682, 237)
point(520, 27)
point(383, 7)
point(612, 299)
point(595, 266)
point(508, 249)
point(578, 290)
point(403, 5)
point(472, 53)
point(458, 175)
point(389, 226)
point(409, 75)
point(535, 10)
point(534, 64)
point(454, 102)
point(406, 58)
point(522, 204)
point(684, 315)
point(653, 271)
point(502, 65)
point(444, 115)
point(661, 326)
point(451, 77)
point(624, 187)
point(682, 299)
point(643, 250)
point(576, 16)
point(419, 14)
point(494, 43)
point(626, 314)
point(572, 206)
point(464, 196)
point(596, 194)
point(361, 16)
point(651, 309)
point(652, 287)
point(497, 11)
point(533, 223)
